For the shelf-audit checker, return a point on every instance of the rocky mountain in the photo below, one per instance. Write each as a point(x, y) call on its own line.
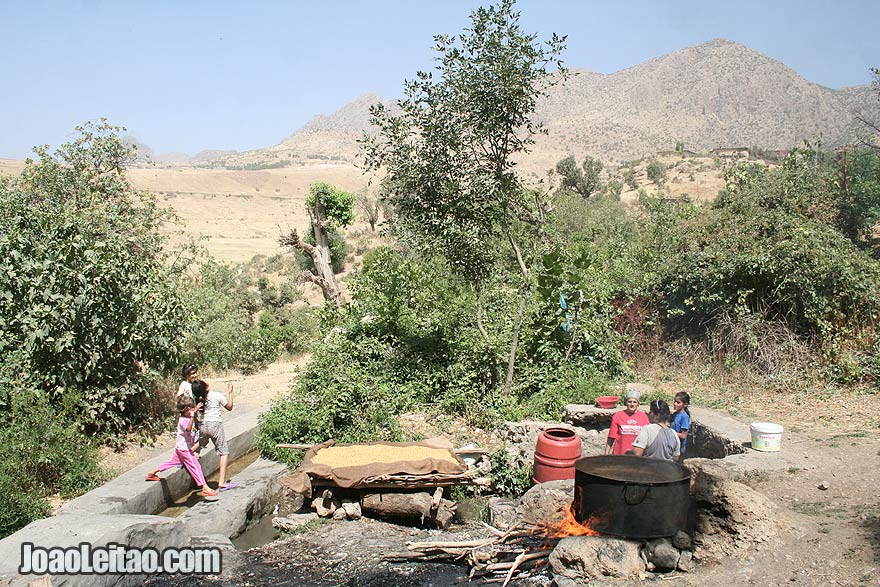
point(717, 94)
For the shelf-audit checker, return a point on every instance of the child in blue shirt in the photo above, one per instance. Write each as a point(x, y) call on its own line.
point(681, 421)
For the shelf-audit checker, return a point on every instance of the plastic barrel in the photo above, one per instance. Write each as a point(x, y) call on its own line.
point(556, 452)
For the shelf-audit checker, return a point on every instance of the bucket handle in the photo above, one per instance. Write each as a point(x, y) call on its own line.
point(634, 494)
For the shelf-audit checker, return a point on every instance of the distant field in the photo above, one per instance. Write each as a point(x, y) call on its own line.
point(242, 213)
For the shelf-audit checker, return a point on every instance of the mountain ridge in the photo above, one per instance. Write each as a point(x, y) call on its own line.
point(714, 94)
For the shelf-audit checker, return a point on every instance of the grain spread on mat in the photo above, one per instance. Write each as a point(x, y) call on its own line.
point(354, 456)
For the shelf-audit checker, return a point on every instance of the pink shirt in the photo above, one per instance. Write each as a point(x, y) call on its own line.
point(184, 438)
point(625, 428)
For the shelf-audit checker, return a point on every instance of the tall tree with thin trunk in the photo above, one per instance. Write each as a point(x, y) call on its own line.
point(449, 152)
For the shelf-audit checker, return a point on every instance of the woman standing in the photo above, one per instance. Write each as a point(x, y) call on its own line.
point(625, 425)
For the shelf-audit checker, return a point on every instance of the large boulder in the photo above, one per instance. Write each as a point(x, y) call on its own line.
point(583, 559)
point(546, 503)
point(731, 516)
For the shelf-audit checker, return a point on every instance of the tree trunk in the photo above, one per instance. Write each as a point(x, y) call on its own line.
point(323, 266)
point(319, 253)
point(524, 292)
point(421, 506)
point(480, 326)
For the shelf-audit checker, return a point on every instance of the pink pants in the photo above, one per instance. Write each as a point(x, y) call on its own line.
point(188, 460)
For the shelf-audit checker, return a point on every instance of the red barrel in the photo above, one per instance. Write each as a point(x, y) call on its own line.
point(555, 454)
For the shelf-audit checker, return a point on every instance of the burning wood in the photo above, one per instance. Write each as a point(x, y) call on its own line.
point(524, 548)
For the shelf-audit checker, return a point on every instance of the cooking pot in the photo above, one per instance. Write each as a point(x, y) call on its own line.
point(630, 496)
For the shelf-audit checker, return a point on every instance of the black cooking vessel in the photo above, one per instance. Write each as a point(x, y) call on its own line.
point(631, 497)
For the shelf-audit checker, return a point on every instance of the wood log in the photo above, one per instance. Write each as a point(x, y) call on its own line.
point(409, 506)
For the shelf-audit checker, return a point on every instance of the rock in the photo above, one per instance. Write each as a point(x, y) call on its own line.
point(583, 558)
point(352, 509)
point(662, 554)
point(682, 541)
point(824, 485)
point(294, 521)
point(546, 502)
point(686, 561)
point(642, 388)
point(502, 513)
point(732, 517)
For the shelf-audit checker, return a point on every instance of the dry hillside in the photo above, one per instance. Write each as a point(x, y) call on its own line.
point(718, 94)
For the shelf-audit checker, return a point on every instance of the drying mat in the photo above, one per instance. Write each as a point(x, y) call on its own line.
point(355, 465)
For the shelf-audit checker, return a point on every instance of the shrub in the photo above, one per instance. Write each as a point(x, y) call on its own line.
point(44, 452)
point(86, 286)
point(656, 172)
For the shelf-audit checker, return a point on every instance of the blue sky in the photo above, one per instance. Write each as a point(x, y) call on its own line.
point(189, 75)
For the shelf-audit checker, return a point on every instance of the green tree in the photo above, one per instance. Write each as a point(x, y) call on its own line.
point(869, 134)
point(87, 298)
point(583, 180)
point(629, 177)
point(449, 153)
point(328, 208)
point(656, 172)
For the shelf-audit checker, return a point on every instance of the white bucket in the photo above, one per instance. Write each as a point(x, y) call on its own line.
point(766, 437)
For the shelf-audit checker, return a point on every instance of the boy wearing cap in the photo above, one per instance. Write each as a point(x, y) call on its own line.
point(626, 425)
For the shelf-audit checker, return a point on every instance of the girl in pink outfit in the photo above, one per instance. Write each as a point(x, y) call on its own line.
point(183, 450)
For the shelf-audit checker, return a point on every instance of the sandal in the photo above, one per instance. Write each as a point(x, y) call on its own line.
point(151, 478)
point(208, 493)
point(228, 486)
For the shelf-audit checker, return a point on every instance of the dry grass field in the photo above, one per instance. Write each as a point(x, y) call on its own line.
point(238, 214)
point(241, 213)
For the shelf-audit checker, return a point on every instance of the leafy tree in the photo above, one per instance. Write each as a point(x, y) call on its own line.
point(328, 208)
point(583, 180)
point(869, 135)
point(629, 177)
point(449, 153)
point(87, 298)
point(858, 193)
point(656, 172)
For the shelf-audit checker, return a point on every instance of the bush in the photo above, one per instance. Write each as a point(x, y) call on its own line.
point(86, 287)
point(656, 172)
point(44, 452)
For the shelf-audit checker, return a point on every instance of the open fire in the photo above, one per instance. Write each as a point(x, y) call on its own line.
point(569, 526)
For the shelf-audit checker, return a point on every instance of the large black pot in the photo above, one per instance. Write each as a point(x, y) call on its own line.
point(631, 497)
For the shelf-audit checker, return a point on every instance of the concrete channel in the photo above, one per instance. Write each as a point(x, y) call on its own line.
point(125, 511)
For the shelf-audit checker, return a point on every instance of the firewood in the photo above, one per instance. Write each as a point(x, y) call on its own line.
point(408, 506)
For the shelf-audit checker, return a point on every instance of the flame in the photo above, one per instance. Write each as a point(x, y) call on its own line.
point(569, 526)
